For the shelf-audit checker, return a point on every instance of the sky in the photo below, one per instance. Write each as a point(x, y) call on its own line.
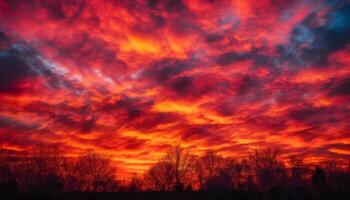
point(131, 78)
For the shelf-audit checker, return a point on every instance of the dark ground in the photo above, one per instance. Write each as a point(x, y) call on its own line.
point(276, 194)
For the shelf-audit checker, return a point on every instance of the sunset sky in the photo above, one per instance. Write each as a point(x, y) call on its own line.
point(130, 78)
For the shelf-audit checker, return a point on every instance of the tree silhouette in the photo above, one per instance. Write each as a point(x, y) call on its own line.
point(208, 166)
point(41, 171)
point(160, 177)
point(269, 171)
point(261, 175)
point(6, 172)
point(8, 184)
point(95, 173)
point(180, 162)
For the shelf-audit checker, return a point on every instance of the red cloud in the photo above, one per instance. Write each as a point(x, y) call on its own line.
point(130, 80)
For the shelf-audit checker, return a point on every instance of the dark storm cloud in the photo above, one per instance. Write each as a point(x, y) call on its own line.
point(4, 40)
point(84, 46)
point(319, 117)
point(56, 10)
point(308, 134)
point(171, 6)
point(305, 113)
point(134, 107)
point(89, 51)
point(163, 70)
point(225, 108)
point(230, 57)
point(341, 88)
point(19, 62)
point(86, 50)
point(179, 19)
point(212, 38)
point(236, 56)
point(315, 42)
point(15, 124)
point(16, 64)
point(182, 85)
point(70, 122)
point(125, 109)
point(247, 84)
point(13, 69)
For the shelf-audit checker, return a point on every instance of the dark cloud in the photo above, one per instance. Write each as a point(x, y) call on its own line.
point(211, 38)
point(126, 110)
point(122, 143)
point(247, 84)
point(305, 113)
point(89, 53)
point(154, 119)
point(55, 10)
point(163, 70)
point(236, 56)
point(182, 85)
point(319, 117)
point(16, 125)
point(230, 57)
point(18, 62)
point(195, 132)
point(21, 63)
point(316, 42)
point(171, 6)
point(341, 88)
point(133, 143)
point(225, 108)
point(84, 124)
point(4, 40)
point(13, 69)
point(210, 134)
point(261, 123)
point(158, 20)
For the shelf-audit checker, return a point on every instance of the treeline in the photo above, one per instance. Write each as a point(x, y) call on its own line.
point(259, 170)
point(45, 170)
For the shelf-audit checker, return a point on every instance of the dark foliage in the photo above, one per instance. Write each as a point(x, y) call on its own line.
point(45, 173)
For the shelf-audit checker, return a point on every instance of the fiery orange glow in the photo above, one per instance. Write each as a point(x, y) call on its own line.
point(131, 79)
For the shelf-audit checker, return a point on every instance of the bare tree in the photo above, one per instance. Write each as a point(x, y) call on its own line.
point(207, 167)
point(160, 177)
point(8, 183)
point(48, 160)
point(180, 161)
point(269, 171)
point(95, 173)
point(6, 172)
point(41, 171)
